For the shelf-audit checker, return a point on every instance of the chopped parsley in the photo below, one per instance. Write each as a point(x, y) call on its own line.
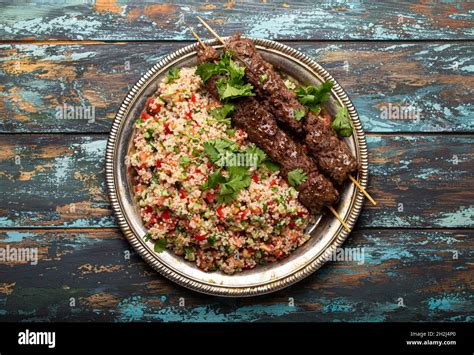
point(231, 84)
point(172, 75)
point(184, 161)
point(160, 245)
point(221, 113)
point(298, 114)
point(211, 240)
point(314, 96)
point(263, 78)
point(342, 123)
point(297, 177)
point(271, 165)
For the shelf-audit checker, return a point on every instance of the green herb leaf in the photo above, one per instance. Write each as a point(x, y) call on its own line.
point(271, 165)
point(213, 180)
point(313, 96)
point(297, 177)
point(232, 90)
point(256, 152)
point(211, 240)
point(160, 245)
point(263, 78)
point(342, 123)
point(184, 161)
point(147, 237)
point(222, 112)
point(206, 70)
point(172, 75)
point(298, 114)
point(231, 84)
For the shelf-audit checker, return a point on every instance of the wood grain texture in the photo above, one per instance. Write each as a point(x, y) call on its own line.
point(334, 20)
point(58, 180)
point(431, 271)
point(435, 78)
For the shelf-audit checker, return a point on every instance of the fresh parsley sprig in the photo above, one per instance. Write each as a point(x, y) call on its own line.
point(314, 96)
point(297, 177)
point(341, 123)
point(231, 83)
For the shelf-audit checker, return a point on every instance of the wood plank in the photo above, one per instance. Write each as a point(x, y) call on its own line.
point(334, 20)
point(429, 272)
point(437, 79)
point(418, 181)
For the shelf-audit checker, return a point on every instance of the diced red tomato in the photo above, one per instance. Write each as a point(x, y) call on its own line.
point(148, 209)
point(165, 215)
point(158, 164)
point(167, 128)
point(219, 212)
point(243, 214)
point(210, 197)
point(301, 214)
point(153, 219)
point(150, 101)
point(255, 178)
point(193, 97)
point(201, 237)
point(277, 253)
point(189, 114)
point(273, 183)
point(292, 224)
point(152, 106)
point(145, 116)
point(182, 193)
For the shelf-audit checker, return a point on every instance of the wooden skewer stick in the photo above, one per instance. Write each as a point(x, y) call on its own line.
point(334, 212)
point(356, 183)
point(198, 39)
point(344, 224)
point(211, 30)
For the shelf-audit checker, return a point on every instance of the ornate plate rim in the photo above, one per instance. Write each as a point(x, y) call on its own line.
point(271, 285)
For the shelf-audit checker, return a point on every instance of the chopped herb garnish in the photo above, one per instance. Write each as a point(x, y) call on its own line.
point(184, 161)
point(298, 114)
point(147, 237)
point(211, 240)
point(263, 78)
point(271, 165)
point(342, 123)
point(231, 84)
point(172, 75)
point(148, 134)
point(160, 245)
point(297, 177)
point(314, 96)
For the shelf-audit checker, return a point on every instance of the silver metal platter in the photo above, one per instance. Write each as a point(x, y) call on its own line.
point(327, 233)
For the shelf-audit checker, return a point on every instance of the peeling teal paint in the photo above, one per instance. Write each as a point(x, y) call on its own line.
point(16, 237)
point(463, 217)
point(449, 303)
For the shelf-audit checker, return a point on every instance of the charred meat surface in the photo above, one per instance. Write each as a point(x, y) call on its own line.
point(317, 191)
point(333, 156)
point(268, 83)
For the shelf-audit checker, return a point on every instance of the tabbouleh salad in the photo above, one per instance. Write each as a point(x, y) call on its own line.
point(196, 198)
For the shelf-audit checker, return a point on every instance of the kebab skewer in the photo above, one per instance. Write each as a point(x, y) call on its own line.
point(250, 115)
point(330, 152)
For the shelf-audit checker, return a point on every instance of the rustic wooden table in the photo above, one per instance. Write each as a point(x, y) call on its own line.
point(413, 58)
